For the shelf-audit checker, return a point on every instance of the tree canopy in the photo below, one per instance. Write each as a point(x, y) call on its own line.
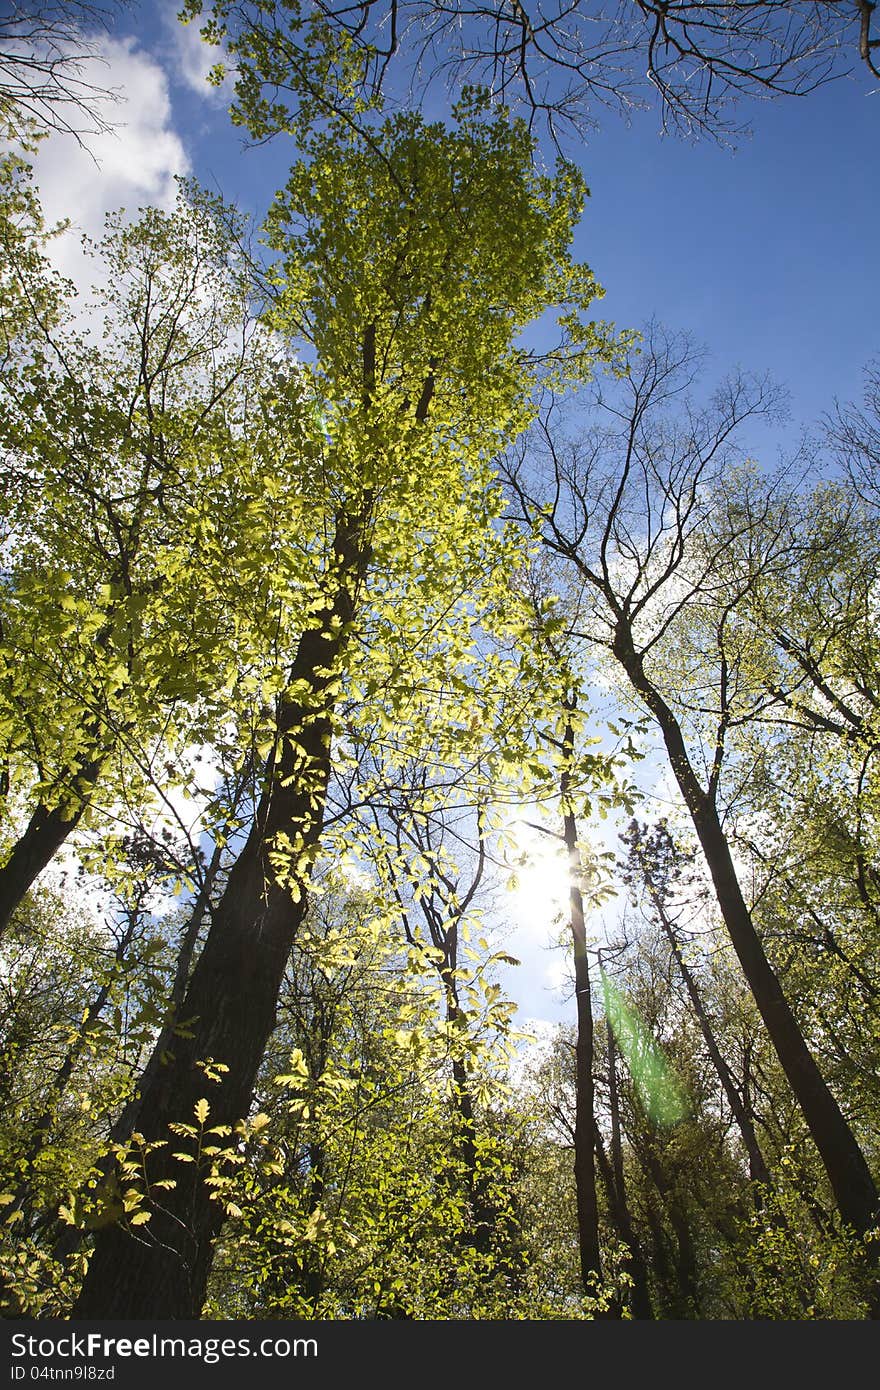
point(338, 550)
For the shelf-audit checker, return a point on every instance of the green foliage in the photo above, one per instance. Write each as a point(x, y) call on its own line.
point(252, 547)
point(352, 1200)
point(120, 622)
point(80, 1000)
point(788, 1269)
point(445, 243)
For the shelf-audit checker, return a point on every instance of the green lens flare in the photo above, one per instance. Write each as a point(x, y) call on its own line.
point(659, 1088)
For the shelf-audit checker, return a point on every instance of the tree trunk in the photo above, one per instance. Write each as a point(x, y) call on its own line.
point(160, 1269)
point(127, 1122)
point(617, 1204)
point(46, 832)
point(848, 1173)
point(758, 1171)
point(585, 1117)
point(483, 1208)
point(615, 1182)
point(684, 1257)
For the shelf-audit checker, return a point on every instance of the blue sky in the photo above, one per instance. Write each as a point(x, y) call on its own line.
point(767, 254)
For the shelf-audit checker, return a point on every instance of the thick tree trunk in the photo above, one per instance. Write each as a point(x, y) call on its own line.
point(848, 1173)
point(160, 1269)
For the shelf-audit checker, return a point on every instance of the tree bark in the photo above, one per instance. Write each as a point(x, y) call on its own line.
point(585, 1117)
point(615, 1183)
point(617, 1204)
point(160, 1269)
point(848, 1173)
point(758, 1171)
point(44, 835)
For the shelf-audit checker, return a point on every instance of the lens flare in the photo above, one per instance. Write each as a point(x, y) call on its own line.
point(660, 1090)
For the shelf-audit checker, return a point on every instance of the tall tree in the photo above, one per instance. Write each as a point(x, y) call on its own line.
point(575, 768)
point(630, 509)
point(411, 262)
point(115, 623)
point(655, 865)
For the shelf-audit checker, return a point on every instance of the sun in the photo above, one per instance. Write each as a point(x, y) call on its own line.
point(539, 884)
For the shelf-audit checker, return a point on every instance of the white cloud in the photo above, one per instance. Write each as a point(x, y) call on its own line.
point(131, 166)
point(193, 58)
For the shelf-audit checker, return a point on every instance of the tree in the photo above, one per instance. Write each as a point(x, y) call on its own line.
point(81, 996)
point(806, 816)
point(573, 774)
point(434, 901)
point(109, 635)
point(584, 1128)
point(47, 56)
point(853, 437)
point(616, 1186)
point(709, 1250)
point(410, 294)
point(357, 1201)
point(655, 865)
point(563, 63)
point(631, 510)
